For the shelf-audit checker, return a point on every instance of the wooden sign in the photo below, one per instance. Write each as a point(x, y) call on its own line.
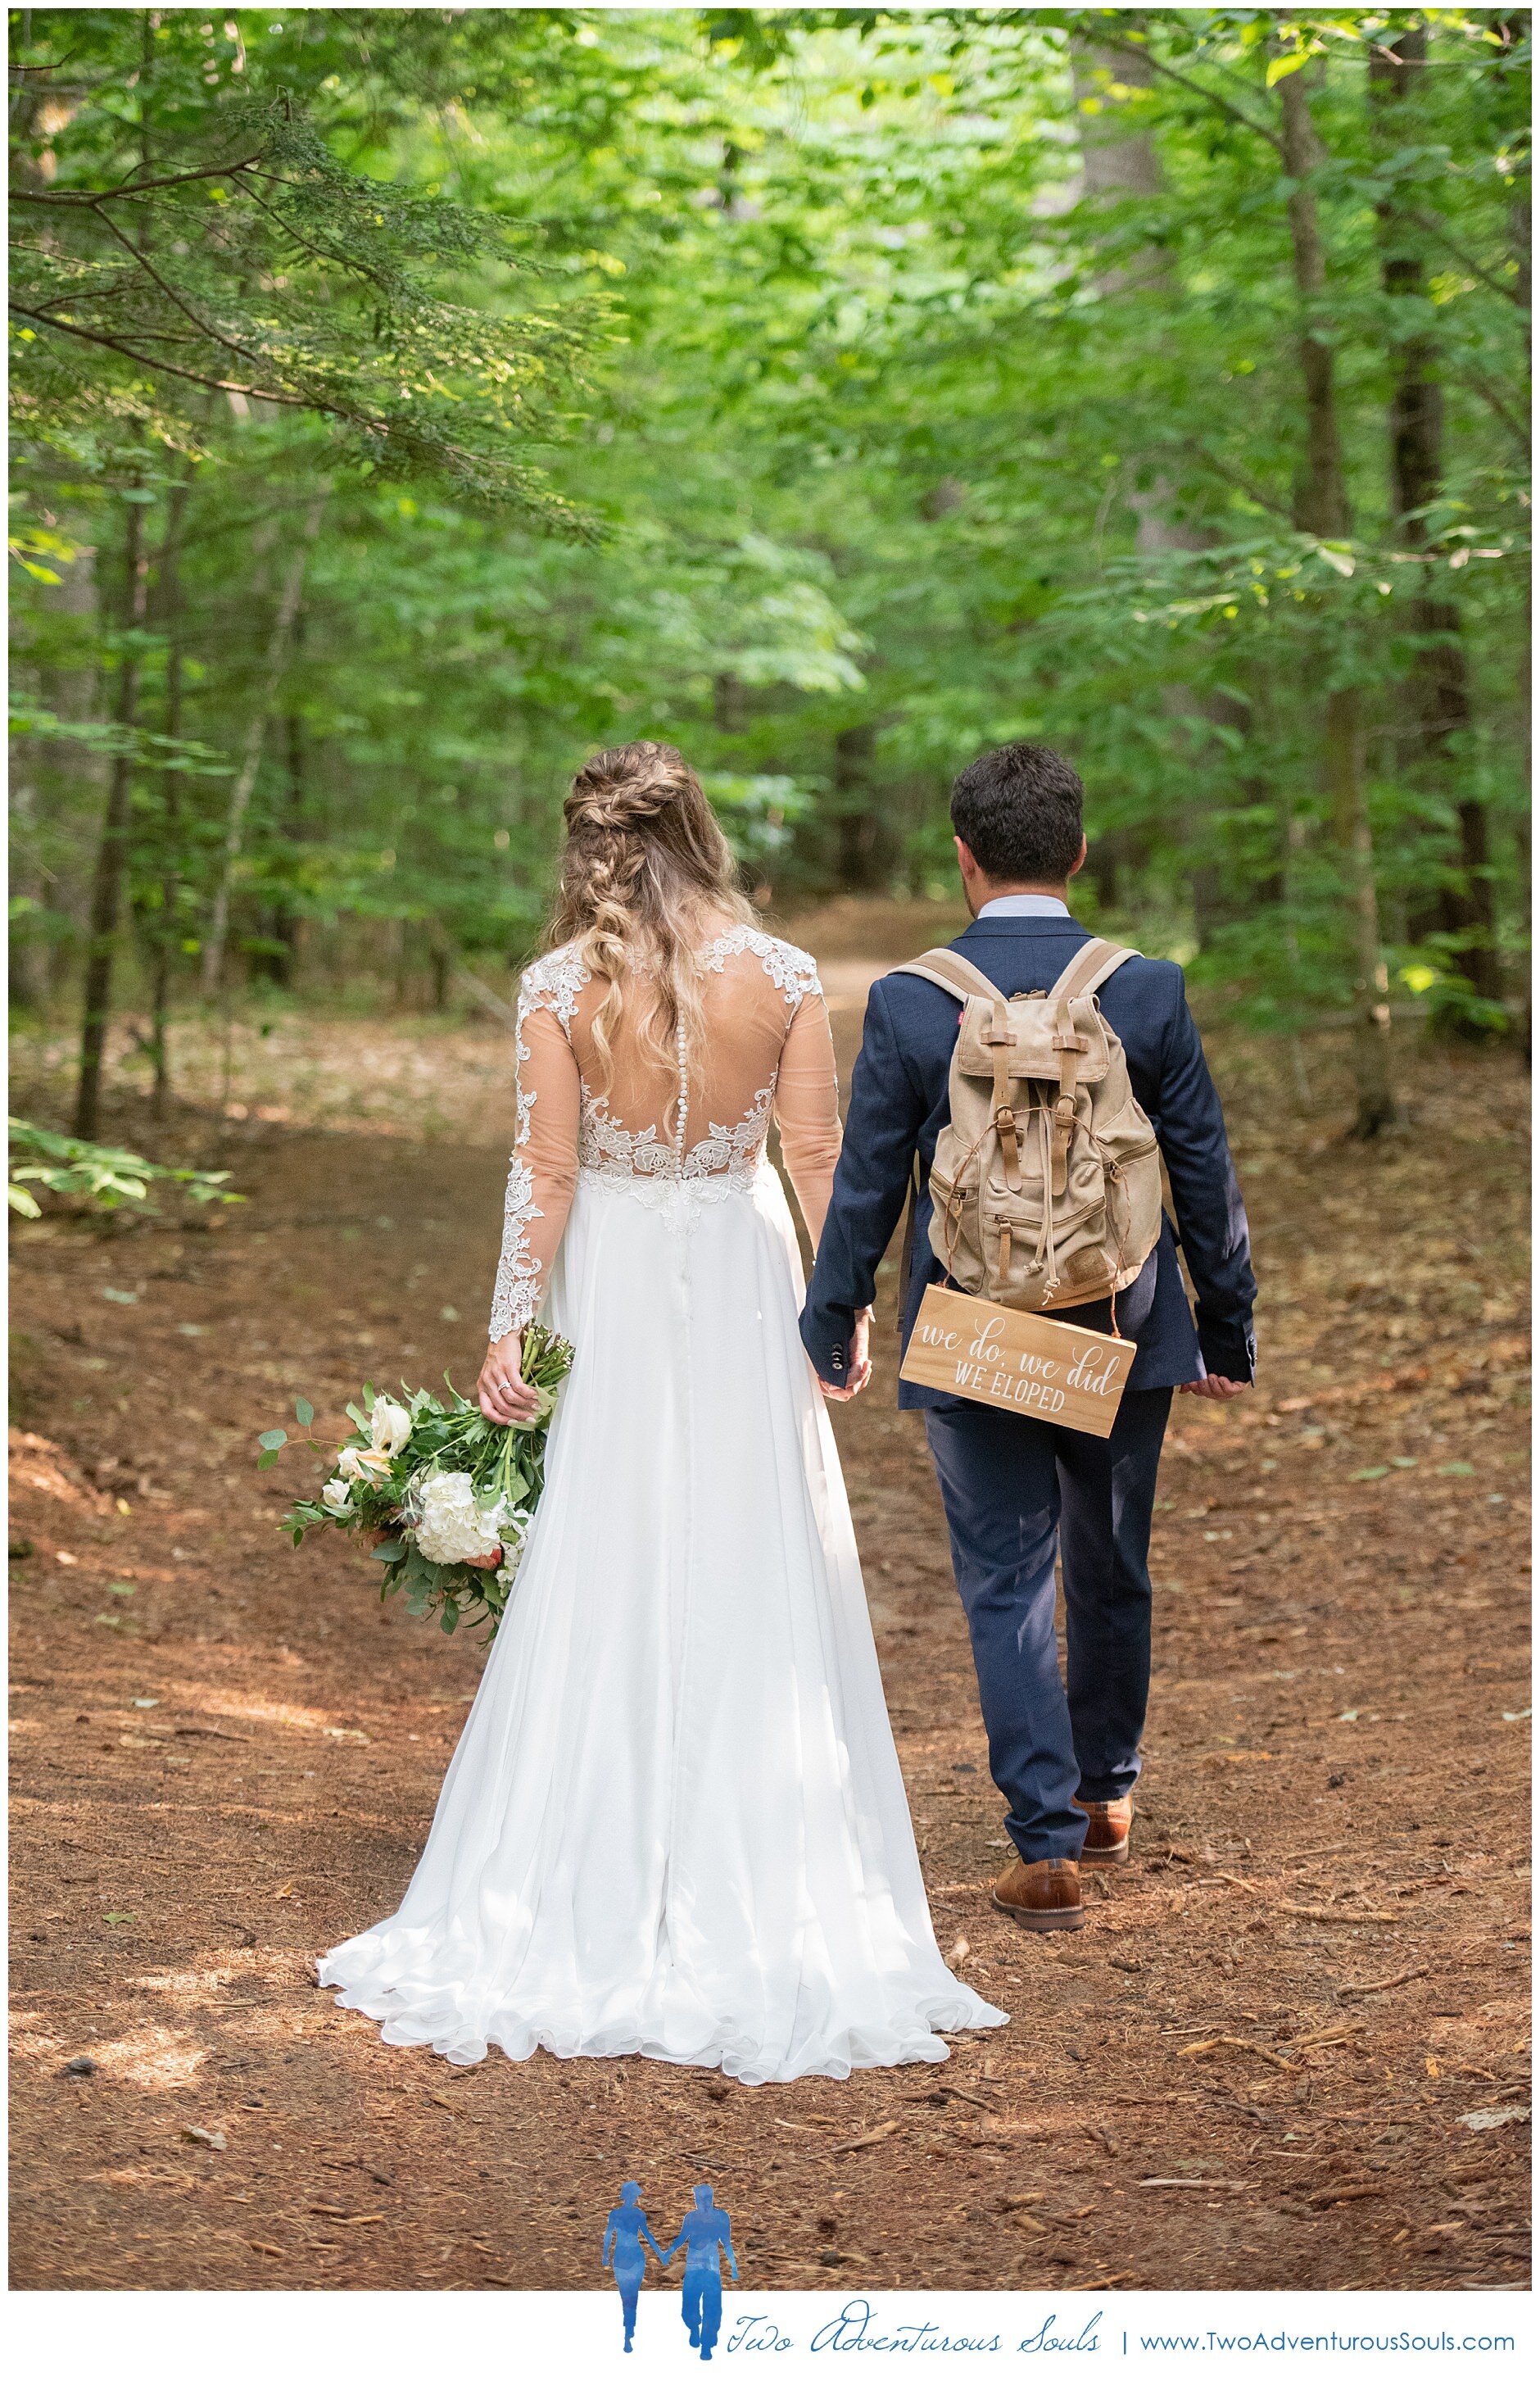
point(1023, 1363)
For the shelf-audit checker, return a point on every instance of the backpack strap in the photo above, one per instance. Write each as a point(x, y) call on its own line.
point(1089, 969)
point(953, 973)
point(1091, 966)
point(959, 976)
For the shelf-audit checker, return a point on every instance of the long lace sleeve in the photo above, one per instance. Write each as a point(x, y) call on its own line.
point(808, 1109)
point(543, 1174)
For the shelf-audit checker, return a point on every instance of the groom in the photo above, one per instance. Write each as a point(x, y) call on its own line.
point(1018, 1492)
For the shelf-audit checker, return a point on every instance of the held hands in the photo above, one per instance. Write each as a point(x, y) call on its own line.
point(860, 1362)
point(501, 1393)
point(1214, 1385)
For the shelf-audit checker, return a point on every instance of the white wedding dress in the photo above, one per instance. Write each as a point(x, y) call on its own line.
point(674, 1823)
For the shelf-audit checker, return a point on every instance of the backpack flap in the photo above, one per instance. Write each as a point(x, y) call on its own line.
point(1032, 1053)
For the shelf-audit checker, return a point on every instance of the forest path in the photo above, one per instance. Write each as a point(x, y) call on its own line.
point(228, 1756)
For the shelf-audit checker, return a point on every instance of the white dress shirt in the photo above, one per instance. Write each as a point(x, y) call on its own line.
point(1025, 905)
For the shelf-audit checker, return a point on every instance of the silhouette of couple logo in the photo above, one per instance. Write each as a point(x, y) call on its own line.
point(706, 2235)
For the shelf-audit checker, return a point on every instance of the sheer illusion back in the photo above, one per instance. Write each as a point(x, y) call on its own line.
point(672, 1135)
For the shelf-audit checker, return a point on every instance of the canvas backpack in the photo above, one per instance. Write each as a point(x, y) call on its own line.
point(1045, 1182)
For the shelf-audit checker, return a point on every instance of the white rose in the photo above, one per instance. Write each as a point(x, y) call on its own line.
point(390, 1426)
point(451, 1527)
point(334, 1496)
point(363, 1463)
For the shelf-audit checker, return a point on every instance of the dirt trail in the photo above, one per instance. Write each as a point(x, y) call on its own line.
point(1287, 2012)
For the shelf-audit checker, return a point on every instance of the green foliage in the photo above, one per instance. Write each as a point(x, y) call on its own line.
point(917, 381)
point(97, 1179)
point(198, 237)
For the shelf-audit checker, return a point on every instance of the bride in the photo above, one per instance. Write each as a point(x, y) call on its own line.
point(674, 1823)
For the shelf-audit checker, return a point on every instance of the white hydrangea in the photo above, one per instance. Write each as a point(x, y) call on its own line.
point(514, 1527)
point(450, 1527)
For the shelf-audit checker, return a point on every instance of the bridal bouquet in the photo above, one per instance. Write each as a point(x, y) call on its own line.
point(447, 1494)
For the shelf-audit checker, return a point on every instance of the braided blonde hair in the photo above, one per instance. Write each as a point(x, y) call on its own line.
point(644, 866)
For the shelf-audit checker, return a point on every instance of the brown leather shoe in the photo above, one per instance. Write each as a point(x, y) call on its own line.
point(1106, 1844)
point(1042, 1896)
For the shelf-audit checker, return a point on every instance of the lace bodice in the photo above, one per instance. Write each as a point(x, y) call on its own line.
point(676, 1136)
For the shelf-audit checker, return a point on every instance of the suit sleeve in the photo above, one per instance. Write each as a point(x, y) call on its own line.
point(1210, 1218)
point(882, 1129)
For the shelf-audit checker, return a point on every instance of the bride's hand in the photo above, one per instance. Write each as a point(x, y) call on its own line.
point(502, 1395)
point(860, 1362)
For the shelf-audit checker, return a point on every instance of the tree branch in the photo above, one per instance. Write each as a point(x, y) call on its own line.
point(322, 255)
point(1238, 479)
point(131, 189)
point(218, 338)
point(1199, 91)
point(1484, 388)
point(180, 371)
point(1441, 232)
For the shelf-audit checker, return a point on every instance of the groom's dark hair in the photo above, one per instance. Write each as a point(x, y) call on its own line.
point(1020, 811)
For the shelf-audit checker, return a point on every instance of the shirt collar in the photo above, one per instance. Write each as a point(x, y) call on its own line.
point(1025, 905)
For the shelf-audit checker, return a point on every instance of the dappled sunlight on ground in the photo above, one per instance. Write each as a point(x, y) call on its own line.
point(1304, 1986)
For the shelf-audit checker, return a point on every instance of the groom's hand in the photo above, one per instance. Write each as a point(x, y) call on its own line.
point(1213, 1385)
point(860, 1364)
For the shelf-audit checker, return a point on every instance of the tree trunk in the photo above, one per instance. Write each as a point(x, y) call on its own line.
point(29, 956)
point(864, 849)
point(286, 922)
point(111, 851)
point(1441, 700)
point(1321, 507)
point(255, 735)
point(1118, 164)
point(729, 703)
point(168, 599)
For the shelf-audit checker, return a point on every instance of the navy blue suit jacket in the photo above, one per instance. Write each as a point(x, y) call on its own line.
point(898, 1105)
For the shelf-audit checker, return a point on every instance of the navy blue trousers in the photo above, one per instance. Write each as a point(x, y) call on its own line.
point(1018, 1492)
